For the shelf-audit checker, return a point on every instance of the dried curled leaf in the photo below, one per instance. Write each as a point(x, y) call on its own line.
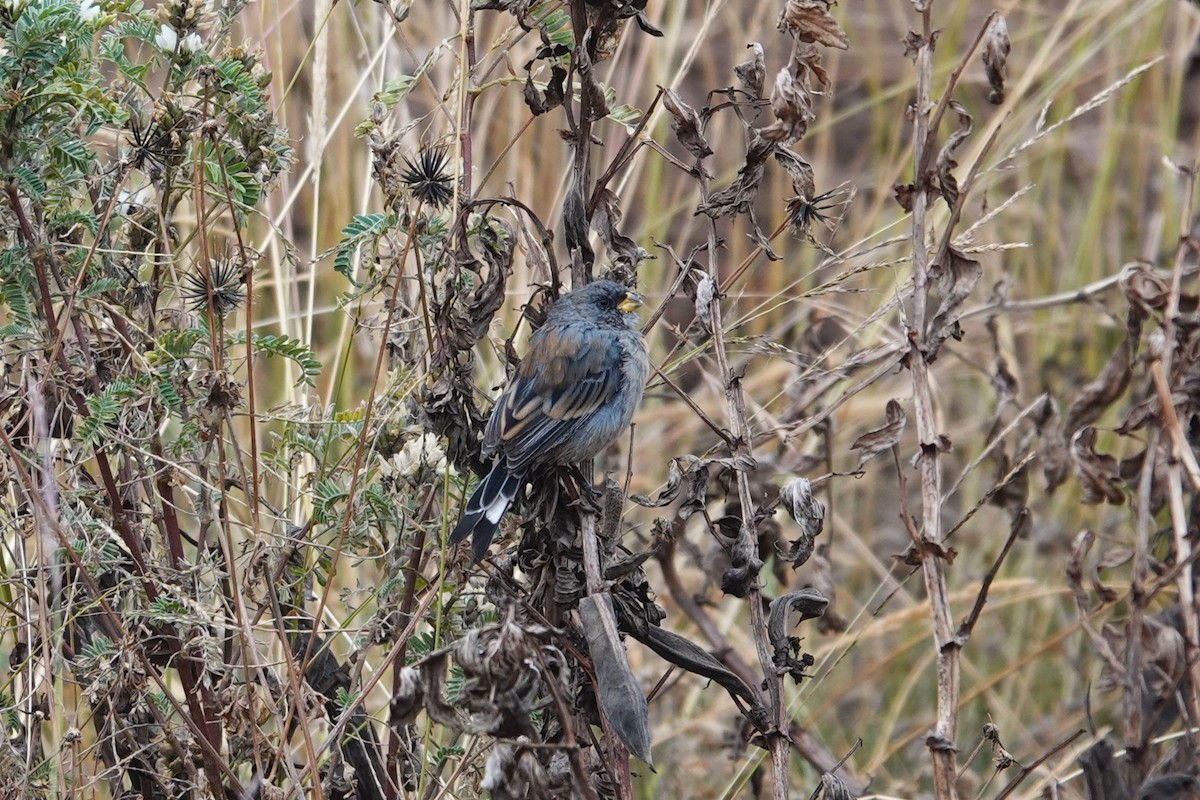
point(752, 74)
point(693, 471)
point(541, 101)
point(809, 513)
point(687, 124)
point(685, 653)
point(810, 21)
point(706, 292)
point(1099, 476)
point(996, 46)
point(737, 196)
point(1052, 445)
point(955, 280)
point(744, 564)
point(792, 98)
point(883, 438)
point(834, 788)
point(1102, 391)
point(809, 604)
point(947, 184)
point(623, 252)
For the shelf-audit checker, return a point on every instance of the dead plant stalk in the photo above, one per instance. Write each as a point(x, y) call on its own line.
point(929, 546)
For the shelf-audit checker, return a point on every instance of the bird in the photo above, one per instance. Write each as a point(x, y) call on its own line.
point(575, 391)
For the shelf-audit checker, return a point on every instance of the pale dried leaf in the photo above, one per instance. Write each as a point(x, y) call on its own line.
point(996, 46)
point(687, 125)
point(882, 438)
point(752, 74)
point(947, 184)
point(1094, 398)
point(955, 280)
point(810, 21)
point(792, 98)
point(1098, 474)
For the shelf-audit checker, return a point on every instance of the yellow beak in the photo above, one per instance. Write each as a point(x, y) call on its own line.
point(632, 302)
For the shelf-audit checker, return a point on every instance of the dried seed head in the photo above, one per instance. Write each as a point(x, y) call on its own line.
point(223, 280)
point(427, 178)
point(803, 211)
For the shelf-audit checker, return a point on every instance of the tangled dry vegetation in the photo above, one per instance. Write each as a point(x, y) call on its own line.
point(909, 509)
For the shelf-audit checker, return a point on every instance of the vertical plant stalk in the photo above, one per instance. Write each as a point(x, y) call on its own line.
point(1183, 457)
point(747, 541)
point(929, 545)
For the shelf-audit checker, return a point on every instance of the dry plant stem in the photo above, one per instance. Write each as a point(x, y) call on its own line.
point(116, 631)
point(1135, 744)
point(359, 455)
point(186, 667)
point(942, 741)
point(1161, 370)
point(777, 736)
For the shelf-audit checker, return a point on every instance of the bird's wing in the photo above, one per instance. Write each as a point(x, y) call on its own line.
point(568, 375)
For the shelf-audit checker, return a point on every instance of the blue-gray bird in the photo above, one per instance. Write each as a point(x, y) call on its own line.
point(574, 393)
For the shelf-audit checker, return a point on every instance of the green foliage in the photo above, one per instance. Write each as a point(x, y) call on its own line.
point(289, 348)
point(361, 235)
point(103, 410)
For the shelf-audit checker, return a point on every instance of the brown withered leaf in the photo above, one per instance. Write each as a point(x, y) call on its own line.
point(955, 280)
point(809, 604)
point(913, 42)
point(810, 21)
point(1099, 477)
point(996, 46)
point(792, 97)
point(737, 196)
point(687, 124)
point(541, 101)
point(903, 192)
point(1144, 288)
point(797, 498)
point(576, 225)
point(947, 184)
point(744, 565)
point(693, 472)
point(883, 438)
point(752, 74)
point(1052, 445)
point(518, 8)
point(622, 251)
point(801, 172)
point(1102, 391)
point(686, 654)
point(1076, 559)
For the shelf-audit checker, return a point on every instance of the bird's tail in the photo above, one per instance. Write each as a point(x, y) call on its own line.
point(486, 507)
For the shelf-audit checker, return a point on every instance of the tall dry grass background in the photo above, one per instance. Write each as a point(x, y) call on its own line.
point(1080, 201)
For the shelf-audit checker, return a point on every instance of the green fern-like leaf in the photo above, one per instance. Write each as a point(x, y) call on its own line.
point(325, 496)
point(176, 345)
point(29, 182)
point(103, 410)
point(289, 348)
point(99, 287)
point(364, 230)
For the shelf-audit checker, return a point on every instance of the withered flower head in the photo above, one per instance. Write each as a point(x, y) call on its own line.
point(803, 211)
point(426, 177)
point(223, 279)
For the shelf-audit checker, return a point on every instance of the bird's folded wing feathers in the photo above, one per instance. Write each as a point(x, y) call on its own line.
point(557, 388)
